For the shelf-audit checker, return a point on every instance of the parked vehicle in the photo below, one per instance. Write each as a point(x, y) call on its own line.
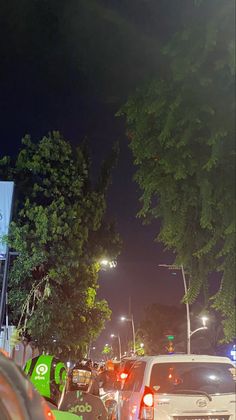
point(179, 387)
point(125, 366)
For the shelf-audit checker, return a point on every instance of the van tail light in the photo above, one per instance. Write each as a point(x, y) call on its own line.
point(123, 376)
point(147, 405)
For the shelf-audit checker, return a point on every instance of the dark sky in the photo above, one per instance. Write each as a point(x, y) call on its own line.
point(69, 66)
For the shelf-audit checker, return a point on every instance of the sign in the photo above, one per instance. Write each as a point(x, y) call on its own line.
point(233, 352)
point(6, 335)
point(6, 196)
point(170, 337)
point(85, 406)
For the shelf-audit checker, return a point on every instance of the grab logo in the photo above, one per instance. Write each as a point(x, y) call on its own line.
point(81, 408)
point(41, 369)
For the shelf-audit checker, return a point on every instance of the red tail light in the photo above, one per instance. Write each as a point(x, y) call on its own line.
point(147, 405)
point(123, 376)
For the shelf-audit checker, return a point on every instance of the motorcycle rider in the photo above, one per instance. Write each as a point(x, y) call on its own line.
point(48, 375)
point(18, 398)
point(82, 396)
point(84, 375)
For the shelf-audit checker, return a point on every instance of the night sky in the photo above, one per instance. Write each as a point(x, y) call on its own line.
point(69, 66)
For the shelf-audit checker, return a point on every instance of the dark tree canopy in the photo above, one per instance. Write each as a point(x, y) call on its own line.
point(158, 322)
point(182, 134)
point(60, 231)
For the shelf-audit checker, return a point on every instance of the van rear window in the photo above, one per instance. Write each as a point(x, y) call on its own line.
point(207, 377)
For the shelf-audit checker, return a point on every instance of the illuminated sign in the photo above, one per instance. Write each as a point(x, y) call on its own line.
point(233, 352)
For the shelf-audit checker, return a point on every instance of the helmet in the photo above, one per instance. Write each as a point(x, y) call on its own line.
point(85, 362)
point(89, 363)
point(80, 377)
point(109, 365)
point(48, 375)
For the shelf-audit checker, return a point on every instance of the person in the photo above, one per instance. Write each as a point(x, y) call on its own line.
point(83, 376)
point(18, 398)
point(22, 352)
point(48, 375)
point(79, 377)
point(82, 394)
point(107, 377)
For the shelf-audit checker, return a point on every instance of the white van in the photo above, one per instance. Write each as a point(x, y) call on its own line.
point(179, 387)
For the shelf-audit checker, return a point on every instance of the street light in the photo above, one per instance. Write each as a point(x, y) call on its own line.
point(105, 263)
point(204, 318)
point(119, 343)
point(174, 267)
point(131, 319)
point(204, 327)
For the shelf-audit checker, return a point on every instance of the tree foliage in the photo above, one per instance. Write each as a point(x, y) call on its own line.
point(182, 135)
point(158, 322)
point(60, 231)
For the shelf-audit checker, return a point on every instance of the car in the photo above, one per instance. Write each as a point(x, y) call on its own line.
point(110, 396)
point(124, 368)
point(179, 387)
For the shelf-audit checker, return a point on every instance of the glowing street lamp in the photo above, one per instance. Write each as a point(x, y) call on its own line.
point(204, 327)
point(105, 263)
point(204, 320)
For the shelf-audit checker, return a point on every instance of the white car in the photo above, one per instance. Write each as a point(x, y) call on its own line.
point(179, 387)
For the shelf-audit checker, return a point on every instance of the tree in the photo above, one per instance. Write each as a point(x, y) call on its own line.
point(182, 135)
point(60, 231)
point(158, 322)
point(107, 350)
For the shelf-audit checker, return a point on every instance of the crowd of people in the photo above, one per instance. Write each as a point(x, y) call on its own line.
point(52, 391)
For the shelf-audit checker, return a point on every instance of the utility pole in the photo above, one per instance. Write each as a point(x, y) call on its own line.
point(188, 335)
point(204, 318)
point(187, 312)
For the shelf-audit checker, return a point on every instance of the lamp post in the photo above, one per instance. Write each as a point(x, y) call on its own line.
point(204, 327)
point(105, 263)
point(131, 319)
point(204, 319)
point(119, 343)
